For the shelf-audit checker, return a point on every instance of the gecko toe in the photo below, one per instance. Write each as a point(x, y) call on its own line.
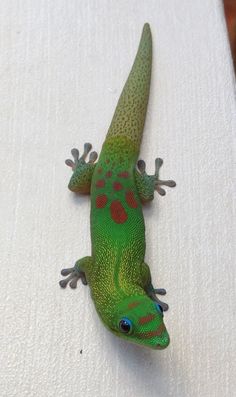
point(158, 164)
point(160, 291)
point(66, 272)
point(87, 148)
point(70, 163)
point(63, 283)
point(75, 154)
point(93, 157)
point(142, 166)
point(74, 281)
point(160, 191)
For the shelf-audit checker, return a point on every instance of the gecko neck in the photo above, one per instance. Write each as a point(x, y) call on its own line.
point(104, 304)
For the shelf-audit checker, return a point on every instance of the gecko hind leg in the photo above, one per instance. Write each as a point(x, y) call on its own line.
point(147, 184)
point(80, 181)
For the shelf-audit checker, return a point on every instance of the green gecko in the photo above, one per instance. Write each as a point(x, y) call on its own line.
point(116, 272)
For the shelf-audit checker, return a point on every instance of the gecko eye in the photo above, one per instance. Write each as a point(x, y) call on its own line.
point(159, 308)
point(125, 325)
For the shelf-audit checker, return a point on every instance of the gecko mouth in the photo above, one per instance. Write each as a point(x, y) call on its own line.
point(159, 346)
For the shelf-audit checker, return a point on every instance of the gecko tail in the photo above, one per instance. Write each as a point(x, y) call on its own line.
point(130, 113)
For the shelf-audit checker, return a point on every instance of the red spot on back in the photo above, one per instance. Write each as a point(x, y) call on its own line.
point(117, 186)
point(118, 213)
point(101, 201)
point(109, 174)
point(107, 161)
point(130, 199)
point(124, 174)
point(146, 319)
point(99, 171)
point(100, 183)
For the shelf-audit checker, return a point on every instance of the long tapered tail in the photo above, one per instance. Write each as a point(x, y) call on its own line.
point(131, 109)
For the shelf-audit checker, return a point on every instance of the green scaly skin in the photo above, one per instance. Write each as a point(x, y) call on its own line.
point(119, 278)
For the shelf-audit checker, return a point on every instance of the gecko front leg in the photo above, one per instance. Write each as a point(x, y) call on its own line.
point(147, 184)
point(150, 290)
point(80, 181)
point(79, 271)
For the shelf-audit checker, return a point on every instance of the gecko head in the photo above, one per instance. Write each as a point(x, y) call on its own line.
point(139, 320)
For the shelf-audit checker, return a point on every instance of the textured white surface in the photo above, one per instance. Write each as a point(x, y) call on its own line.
point(63, 65)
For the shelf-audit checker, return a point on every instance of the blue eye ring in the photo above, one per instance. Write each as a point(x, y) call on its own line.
point(125, 326)
point(159, 308)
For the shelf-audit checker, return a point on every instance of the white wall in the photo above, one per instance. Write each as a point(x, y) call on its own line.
point(63, 65)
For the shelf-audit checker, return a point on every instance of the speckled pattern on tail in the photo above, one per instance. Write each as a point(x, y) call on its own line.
point(130, 113)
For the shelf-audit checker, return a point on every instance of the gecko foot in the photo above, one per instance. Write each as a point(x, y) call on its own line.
point(153, 292)
point(74, 275)
point(147, 184)
point(158, 182)
point(81, 160)
point(154, 180)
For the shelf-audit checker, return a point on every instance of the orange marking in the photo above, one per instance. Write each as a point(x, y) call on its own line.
point(123, 174)
point(117, 186)
point(146, 319)
point(100, 183)
point(133, 304)
point(151, 334)
point(118, 213)
point(130, 199)
point(107, 161)
point(101, 201)
point(99, 171)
